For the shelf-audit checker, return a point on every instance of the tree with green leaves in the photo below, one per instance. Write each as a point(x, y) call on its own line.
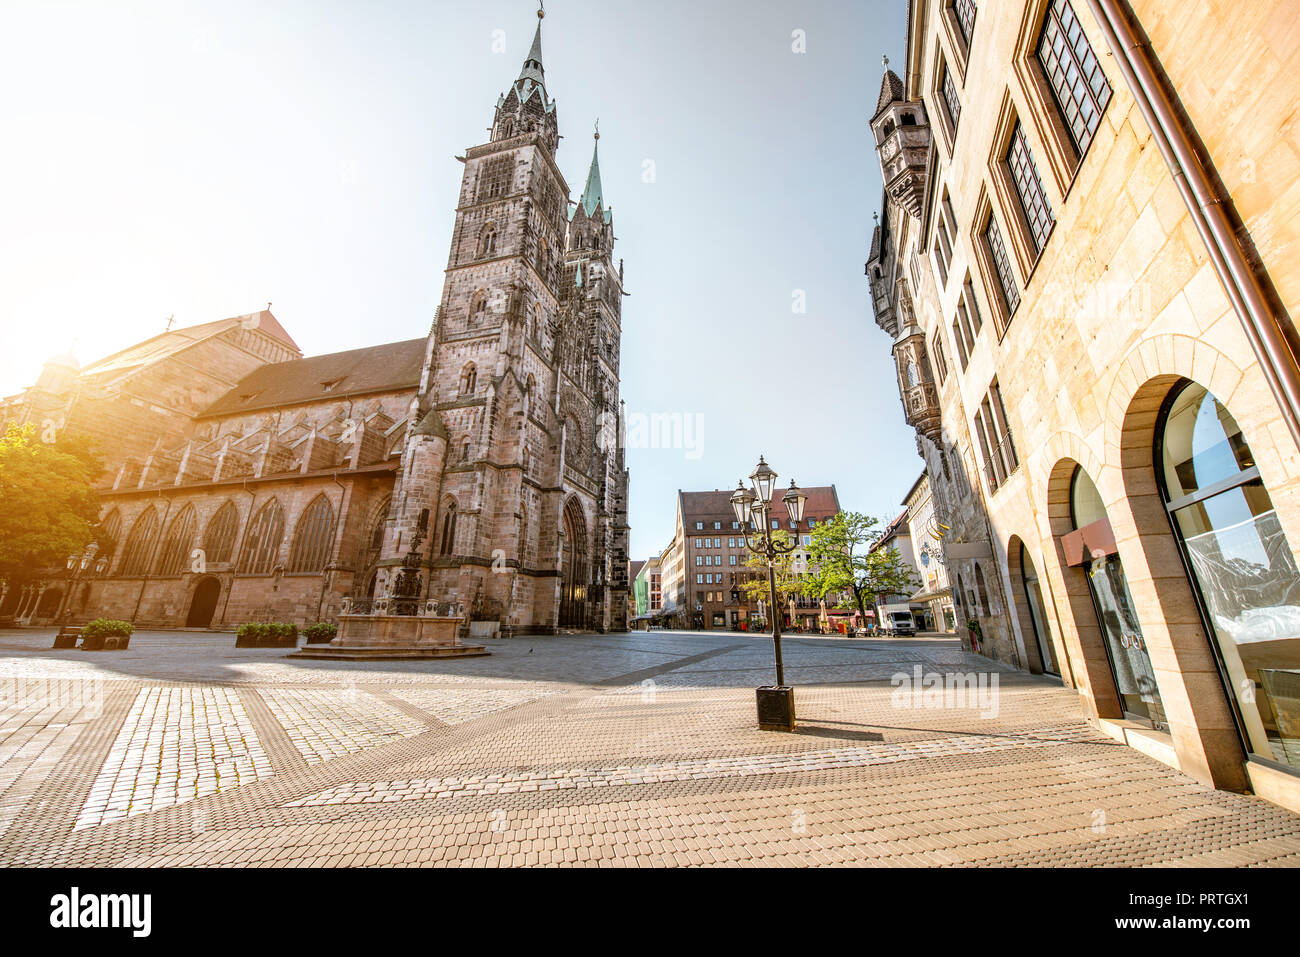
point(48, 504)
point(789, 584)
point(841, 562)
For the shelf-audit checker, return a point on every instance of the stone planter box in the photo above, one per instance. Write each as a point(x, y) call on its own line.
point(250, 642)
point(485, 629)
point(106, 643)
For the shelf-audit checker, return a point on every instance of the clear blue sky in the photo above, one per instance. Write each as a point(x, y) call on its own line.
point(199, 160)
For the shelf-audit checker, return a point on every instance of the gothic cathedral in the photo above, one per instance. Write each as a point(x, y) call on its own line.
point(513, 480)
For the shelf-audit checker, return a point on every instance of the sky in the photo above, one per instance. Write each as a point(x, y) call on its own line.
point(198, 161)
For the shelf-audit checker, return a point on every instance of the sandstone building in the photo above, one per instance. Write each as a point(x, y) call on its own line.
point(250, 483)
point(1085, 263)
point(705, 565)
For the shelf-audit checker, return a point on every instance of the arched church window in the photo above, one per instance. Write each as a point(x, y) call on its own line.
point(219, 539)
point(139, 544)
point(448, 529)
point(175, 557)
point(262, 543)
point(110, 533)
point(478, 306)
point(468, 379)
point(487, 241)
point(313, 540)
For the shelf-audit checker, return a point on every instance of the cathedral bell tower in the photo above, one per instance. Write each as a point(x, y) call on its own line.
point(503, 478)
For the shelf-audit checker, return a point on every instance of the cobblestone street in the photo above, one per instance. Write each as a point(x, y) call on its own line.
point(633, 749)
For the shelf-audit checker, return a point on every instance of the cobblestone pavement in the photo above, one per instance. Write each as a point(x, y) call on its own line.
point(637, 750)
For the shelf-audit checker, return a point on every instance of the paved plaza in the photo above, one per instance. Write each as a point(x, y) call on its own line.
point(635, 750)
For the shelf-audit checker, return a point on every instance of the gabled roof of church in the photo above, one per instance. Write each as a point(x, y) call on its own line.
point(386, 368)
point(174, 340)
point(891, 89)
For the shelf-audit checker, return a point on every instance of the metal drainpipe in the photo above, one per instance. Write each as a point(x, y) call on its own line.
point(1175, 139)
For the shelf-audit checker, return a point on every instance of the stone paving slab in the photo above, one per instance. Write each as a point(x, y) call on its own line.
point(635, 750)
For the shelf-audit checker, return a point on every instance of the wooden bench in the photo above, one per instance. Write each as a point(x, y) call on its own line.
point(67, 637)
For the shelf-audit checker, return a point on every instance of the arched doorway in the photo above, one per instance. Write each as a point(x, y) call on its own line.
point(1091, 548)
point(573, 567)
point(1240, 564)
point(203, 607)
point(1030, 610)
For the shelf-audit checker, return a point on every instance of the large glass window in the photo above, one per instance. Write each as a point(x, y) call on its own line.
point(1126, 648)
point(1002, 267)
point(1076, 78)
point(1029, 187)
point(1037, 613)
point(1242, 564)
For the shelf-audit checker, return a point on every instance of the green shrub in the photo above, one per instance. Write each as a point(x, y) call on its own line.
point(321, 633)
point(265, 634)
point(108, 628)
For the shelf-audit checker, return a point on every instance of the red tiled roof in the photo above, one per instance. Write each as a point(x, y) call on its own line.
point(387, 368)
point(708, 507)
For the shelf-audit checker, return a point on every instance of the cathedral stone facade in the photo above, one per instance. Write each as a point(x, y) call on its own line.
point(249, 483)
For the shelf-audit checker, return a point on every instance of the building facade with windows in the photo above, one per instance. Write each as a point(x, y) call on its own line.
point(708, 559)
point(249, 483)
point(1083, 267)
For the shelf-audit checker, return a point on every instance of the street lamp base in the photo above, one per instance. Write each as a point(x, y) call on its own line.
point(775, 709)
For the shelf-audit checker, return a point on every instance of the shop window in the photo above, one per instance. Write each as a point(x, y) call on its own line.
point(1241, 563)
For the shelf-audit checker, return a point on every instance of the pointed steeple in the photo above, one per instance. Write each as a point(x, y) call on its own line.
point(592, 196)
point(533, 69)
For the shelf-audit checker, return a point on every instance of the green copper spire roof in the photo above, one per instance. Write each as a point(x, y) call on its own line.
point(593, 196)
point(532, 69)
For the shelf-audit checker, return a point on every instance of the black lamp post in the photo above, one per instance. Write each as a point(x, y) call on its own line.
point(753, 508)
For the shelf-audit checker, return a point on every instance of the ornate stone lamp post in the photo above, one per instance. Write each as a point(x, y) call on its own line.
point(753, 508)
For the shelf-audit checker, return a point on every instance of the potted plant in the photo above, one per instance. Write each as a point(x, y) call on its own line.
point(106, 634)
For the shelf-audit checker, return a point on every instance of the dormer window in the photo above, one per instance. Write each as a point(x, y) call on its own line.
point(331, 385)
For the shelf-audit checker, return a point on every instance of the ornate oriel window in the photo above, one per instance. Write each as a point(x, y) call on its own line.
point(219, 539)
point(139, 544)
point(313, 539)
point(1029, 189)
point(1075, 76)
point(175, 557)
point(262, 543)
point(1241, 564)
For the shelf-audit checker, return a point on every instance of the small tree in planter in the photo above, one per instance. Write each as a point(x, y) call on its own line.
point(105, 634)
point(322, 633)
point(266, 635)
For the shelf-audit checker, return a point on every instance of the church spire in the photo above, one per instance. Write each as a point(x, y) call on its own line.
point(592, 197)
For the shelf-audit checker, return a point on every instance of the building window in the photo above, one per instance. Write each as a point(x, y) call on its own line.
point(262, 544)
point(219, 539)
point(487, 242)
point(1238, 557)
point(951, 102)
point(448, 530)
point(699, 543)
point(139, 544)
point(699, 527)
point(699, 579)
point(717, 526)
point(496, 176)
point(1006, 281)
point(313, 540)
point(699, 561)
point(1029, 189)
point(176, 548)
point(733, 561)
point(964, 11)
point(1078, 84)
point(958, 338)
point(940, 364)
point(994, 433)
point(969, 303)
point(468, 379)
